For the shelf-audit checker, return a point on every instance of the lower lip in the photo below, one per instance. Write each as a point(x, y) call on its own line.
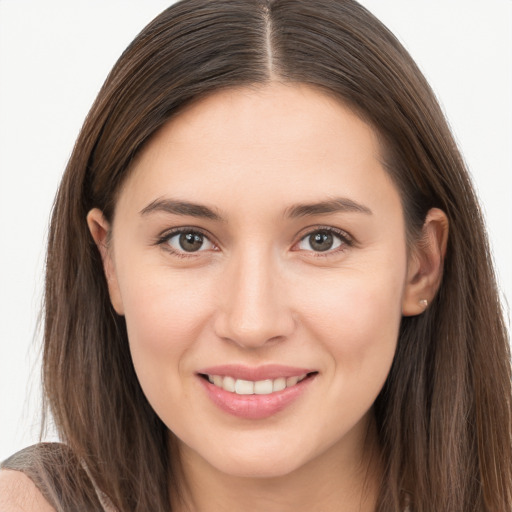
point(255, 407)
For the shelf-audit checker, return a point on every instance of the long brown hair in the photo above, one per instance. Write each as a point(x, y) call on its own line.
point(444, 414)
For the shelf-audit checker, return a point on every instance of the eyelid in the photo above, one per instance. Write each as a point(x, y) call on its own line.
point(165, 236)
point(347, 240)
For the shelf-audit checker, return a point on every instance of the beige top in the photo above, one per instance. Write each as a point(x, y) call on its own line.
point(60, 477)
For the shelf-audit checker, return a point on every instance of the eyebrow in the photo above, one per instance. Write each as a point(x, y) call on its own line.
point(175, 207)
point(331, 206)
point(180, 208)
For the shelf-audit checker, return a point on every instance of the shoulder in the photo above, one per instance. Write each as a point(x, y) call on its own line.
point(19, 494)
point(46, 477)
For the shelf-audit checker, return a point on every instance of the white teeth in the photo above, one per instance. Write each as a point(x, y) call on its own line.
point(249, 387)
point(228, 383)
point(279, 384)
point(263, 387)
point(244, 387)
point(291, 381)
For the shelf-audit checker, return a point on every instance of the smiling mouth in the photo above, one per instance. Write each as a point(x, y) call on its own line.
point(260, 387)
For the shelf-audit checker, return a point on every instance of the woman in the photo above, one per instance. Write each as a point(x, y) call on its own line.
point(268, 281)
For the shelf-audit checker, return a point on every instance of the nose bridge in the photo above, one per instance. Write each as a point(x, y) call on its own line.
point(254, 309)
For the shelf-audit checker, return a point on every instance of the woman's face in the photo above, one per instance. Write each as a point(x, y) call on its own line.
point(257, 242)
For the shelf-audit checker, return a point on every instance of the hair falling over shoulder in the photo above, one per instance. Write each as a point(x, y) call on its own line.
point(444, 415)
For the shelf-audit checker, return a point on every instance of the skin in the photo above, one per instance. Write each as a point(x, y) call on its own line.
point(257, 292)
point(19, 494)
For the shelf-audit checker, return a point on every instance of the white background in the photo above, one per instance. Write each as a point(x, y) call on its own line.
point(54, 56)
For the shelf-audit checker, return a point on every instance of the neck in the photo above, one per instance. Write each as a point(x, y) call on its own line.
point(338, 480)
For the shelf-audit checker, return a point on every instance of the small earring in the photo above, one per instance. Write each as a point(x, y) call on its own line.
point(423, 303)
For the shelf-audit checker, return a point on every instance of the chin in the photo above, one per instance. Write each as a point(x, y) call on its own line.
point(260, 462)
point(269, 468)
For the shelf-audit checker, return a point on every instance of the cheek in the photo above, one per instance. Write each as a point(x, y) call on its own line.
point(356, 316)
point(357, 327)
point(165, 314)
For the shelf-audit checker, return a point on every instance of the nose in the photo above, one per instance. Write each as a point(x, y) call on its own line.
point(253, 307)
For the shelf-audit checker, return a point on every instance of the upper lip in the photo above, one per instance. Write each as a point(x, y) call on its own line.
point(264, 372)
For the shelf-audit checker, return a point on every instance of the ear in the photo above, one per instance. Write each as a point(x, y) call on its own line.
point(100, 230)
point(425, 266)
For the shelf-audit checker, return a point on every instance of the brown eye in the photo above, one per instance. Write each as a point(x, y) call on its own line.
point(189, 241)
point(321, 241)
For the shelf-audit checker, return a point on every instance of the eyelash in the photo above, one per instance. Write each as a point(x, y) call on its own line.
point(164, 239)
point(346, 241)
point(344, 238)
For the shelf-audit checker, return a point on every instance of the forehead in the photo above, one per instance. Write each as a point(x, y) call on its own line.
point(259, 116)
point(291, 143)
